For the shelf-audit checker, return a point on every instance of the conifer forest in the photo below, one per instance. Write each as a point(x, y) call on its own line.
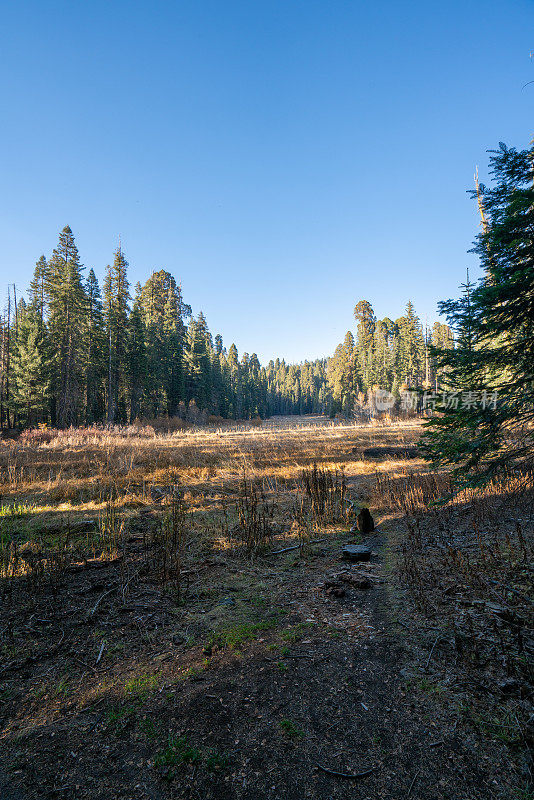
point(75, 354)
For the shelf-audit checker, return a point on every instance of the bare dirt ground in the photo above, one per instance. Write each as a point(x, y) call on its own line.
point(241, 671)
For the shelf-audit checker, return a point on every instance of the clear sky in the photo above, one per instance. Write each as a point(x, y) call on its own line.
point(282, 158)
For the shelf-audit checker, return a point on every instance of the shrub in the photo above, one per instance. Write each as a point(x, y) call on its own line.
point(38, 436)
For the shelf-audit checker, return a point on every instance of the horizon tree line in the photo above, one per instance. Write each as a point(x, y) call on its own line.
point(74, 353)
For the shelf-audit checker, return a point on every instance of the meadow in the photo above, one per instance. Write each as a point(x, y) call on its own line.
point(177, 619)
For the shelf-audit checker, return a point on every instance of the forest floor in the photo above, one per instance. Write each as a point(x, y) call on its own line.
point(242, 669)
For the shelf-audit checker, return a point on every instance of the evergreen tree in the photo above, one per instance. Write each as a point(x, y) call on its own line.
point(108, 362)
point(29, 369)
point(342, 377)
point(95, 364)
point(218, 393)
point(137, 359)
point(37, 290)
point(495, 333)
point(198, 362)
point(67, 301)
point(6, 370)
point(235, 393)
point(382, 375)
point(164, 312)
point(441, 338)
point(366, 321)
point(116, 299)
point(410, 349)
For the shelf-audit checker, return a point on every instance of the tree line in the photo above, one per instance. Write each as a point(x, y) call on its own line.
point(385, 354)
point(74, 353)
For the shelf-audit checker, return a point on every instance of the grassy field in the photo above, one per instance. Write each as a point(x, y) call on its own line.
point(177, 621)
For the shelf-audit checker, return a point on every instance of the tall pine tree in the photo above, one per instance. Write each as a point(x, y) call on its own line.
point(490, 434)
point(67, 303)
point(95, 364)
point(116, 310)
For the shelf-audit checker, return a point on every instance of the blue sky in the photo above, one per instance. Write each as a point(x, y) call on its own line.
point(282, 159)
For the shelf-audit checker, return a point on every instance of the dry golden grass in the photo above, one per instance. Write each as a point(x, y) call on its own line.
point(55, 489)
point(77, 468)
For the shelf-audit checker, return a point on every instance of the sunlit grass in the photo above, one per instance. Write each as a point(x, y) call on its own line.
point(75, 471)
point(16, 510)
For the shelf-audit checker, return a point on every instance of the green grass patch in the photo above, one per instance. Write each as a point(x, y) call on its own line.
point(502, 726)
point(194, 672)
point(51, 690)
point(148, 727)
point(179, 752)
point(234, 636)
point(297, 632)
point(118, 719)
point(215, 761)
point(141, 686)
point(291, 729)
point(429, 687)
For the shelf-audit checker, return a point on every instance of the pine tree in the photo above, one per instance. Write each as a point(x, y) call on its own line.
point(494, 324)
point(454, 429)
point(235, 393)
point(441, 338)
point(101, 361)
point(342, 376)
point(116, 299)
point(382, 364)
point(95, 364)
point(29, 369)
point(217, 376)
point(37, 290)
point(67, 302)
point(197, 360)
point(365, 317)
point(6, 370)
point(172, 362)
point(410, 349)
point(137, 360)
point(164, 313)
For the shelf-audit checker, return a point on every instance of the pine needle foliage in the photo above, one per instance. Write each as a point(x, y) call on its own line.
point(494, 323)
